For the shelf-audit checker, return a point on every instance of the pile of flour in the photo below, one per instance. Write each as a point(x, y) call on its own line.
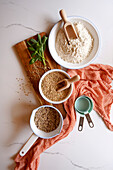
point(78, 49)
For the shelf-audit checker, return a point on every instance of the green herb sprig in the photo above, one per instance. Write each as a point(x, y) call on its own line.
point(37, 47)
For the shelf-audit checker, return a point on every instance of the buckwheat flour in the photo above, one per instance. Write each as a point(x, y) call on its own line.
point(79, 48)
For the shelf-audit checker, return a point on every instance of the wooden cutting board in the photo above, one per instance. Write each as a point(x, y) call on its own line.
point(36, 70)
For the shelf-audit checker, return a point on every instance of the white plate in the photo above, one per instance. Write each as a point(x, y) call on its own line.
point(91, 28)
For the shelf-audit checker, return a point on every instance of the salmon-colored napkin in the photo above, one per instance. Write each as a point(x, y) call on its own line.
point(95, 84)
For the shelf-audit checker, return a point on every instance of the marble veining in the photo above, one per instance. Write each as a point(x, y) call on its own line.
point(15, 4)
point(14, 128)
point(20, 25)
point(15, 143)
point(74, 164)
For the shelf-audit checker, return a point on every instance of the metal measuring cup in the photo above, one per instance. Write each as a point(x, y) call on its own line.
point(39, 133)
point(84, 105)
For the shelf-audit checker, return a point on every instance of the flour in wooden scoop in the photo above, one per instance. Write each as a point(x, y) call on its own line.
point(79, 48)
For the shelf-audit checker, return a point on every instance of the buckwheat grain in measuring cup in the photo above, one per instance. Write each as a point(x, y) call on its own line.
point(79, 48)
point(47, 119)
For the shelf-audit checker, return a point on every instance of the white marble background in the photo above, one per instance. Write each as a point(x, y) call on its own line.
point(91, 149)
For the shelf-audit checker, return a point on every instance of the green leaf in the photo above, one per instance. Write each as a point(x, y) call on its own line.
point(37, 45)
point(44, 39)
point(31, 48)
point(33, 41)
point(39, 54)
point(33, 54)
point(40, 48)
point(29, 43)
point(38, 57)
point(32, 61)
point(39, 39)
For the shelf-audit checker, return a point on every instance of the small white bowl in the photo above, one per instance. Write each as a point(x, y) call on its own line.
point(40, 89)
point(40, 133)
point(94, 53)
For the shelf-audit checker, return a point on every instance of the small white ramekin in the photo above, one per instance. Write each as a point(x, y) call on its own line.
point(40, 89)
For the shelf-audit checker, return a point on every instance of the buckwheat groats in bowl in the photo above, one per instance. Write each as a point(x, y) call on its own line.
point(47, 119)
point(48, 86)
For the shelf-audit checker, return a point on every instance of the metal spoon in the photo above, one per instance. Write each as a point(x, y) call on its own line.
point(65, 83)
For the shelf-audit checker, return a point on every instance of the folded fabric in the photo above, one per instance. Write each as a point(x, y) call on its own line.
point(95, 83)
point(31, 160)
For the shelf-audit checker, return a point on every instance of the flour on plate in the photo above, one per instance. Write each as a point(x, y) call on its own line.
point(79, 48)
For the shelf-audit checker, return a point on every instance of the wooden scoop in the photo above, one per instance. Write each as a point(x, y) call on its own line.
point(69, 29)
point(65, 83)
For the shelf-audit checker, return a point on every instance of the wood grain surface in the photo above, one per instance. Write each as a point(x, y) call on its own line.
point(36, 70)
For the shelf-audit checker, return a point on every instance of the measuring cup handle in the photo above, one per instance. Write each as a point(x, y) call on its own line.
point(28, 144)
point(81, 121)
point(91, 124)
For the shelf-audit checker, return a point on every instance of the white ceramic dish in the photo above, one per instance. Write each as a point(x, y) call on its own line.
point(94, 53)
point(40, 89)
